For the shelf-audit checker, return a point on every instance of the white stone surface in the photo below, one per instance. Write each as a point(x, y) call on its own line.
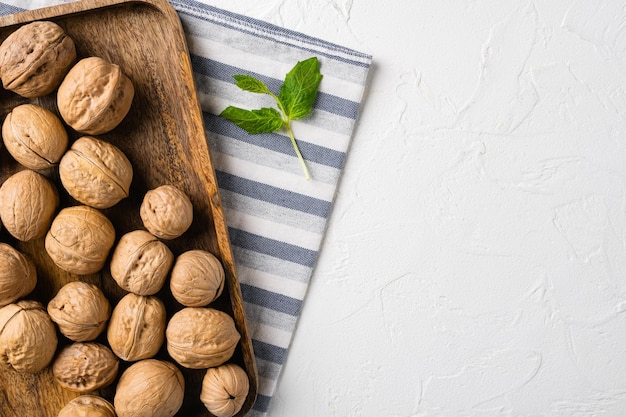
point(475, 261)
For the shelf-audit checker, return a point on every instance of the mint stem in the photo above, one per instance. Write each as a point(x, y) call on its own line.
point(297, 149)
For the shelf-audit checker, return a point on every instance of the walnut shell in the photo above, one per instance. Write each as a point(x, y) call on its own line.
point(85, 367)
point(95, 96)
point(28, 338)
point(137, 327)
point(81, 311)
point(149, 388)
point(35, 58)
point(197, 278)
point(28, 202)
point(88, 406)
point(166, 212)
point(18, 275)
point(34, 136)
point(79, 239)
point(140, 263)
point(201, 337)
point(95, 172)
point(224, 390)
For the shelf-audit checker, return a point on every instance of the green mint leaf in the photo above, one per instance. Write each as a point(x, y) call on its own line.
point(295, 100)
point(251, 84)
point(298, 92)
point(265, 120)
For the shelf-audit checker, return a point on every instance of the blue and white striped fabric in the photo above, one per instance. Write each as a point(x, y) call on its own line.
point(276, 218)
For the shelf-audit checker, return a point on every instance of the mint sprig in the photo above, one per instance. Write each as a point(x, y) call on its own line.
point(295, 100)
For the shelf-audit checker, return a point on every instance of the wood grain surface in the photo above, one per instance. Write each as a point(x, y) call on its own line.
point(163, 136)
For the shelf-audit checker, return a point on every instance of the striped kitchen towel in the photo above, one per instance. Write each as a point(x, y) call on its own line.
point(276, 218)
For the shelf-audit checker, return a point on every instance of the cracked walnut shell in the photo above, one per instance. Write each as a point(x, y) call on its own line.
point(166, 212)
point(88, 406)
point(80, 310)
point(35, 58)
point(85, 367)
point(18, 275)
point(224, 389)
point(199, 338)
point(149, 388)
point(95, 172)
point(95, 96)
point(28, 338)
point(140, 263)
point(137, 327)
point(197, 278)
point(28, 202)
point(79, 240)
point(34, 136)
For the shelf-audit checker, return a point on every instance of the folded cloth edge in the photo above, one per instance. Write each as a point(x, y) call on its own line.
point(279, 33)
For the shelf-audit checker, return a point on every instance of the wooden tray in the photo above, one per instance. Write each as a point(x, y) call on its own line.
point(164, 138)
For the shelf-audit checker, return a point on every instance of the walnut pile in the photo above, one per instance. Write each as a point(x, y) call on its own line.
point(85, 367)
point(137, 327)
point(88, 406)
point(95, 172)
point(200, 338)
point(79, 239)
point(80, 310)
point(166, 212)
point(34, 136)
point(57, 199)
point(28, 202)
point(18, 274)
point(28, 339)
point(197, 278)
point(95, 96)
point(141, 263)
point(35, 58)
point(224, 389)
point(145, 385)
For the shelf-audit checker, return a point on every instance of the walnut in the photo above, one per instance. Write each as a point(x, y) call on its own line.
point(18, 275)
point(79, 239)
point(81, 311)
point(87, 406)
point(95, 96)
point(84, 367)
point(149, 388)
point(35, 58)
point(95, 172)
point(137, 327)
point(140, 263)
point(224, 390)
point(28, 338)
point(166, 212)
point(34, 136)
point(197, 278)
point(28, 202)
point(201, 337)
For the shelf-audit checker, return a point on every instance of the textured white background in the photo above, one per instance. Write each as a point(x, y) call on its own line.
point(475, 262)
